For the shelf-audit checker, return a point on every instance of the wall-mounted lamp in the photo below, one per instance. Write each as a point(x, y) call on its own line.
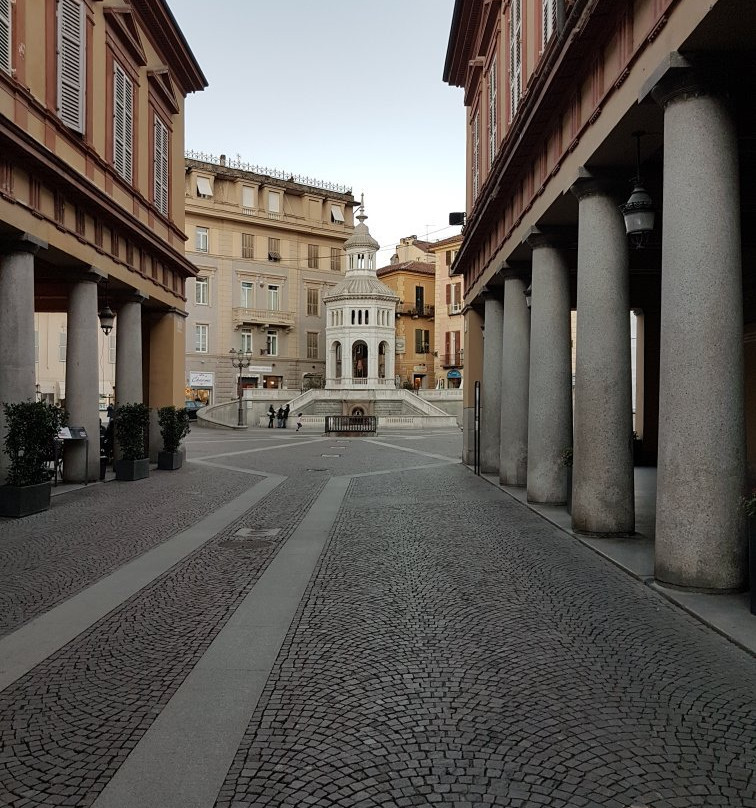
point(107, 318)
point(528, 294)
point(638, 211)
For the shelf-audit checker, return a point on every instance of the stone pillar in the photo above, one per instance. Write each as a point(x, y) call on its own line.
point(550, 396)
point(129, 379)
point(17, 372)
point(515, 371)
point(167, 375)
point(602, 483)
point(490, 386)
point(700, 541)
point(473, 347)
point(82, 381)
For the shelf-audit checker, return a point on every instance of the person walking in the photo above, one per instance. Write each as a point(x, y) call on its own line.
point(299, 421)
point(286, 415)
point(271, 417)
point(280, 418)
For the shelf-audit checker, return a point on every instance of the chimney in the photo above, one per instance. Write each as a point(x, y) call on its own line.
point(223, 159)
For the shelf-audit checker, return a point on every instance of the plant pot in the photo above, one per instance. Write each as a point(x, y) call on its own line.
point(170, 461)
point(130, 470)
point(24, 500)
point(103, 466)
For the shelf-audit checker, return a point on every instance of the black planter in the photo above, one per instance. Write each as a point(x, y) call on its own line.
point(130, 470)
point(170, 461)
point(103, 466)
point(24, 500)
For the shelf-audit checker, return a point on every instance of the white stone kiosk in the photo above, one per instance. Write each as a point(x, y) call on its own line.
point(360, 315)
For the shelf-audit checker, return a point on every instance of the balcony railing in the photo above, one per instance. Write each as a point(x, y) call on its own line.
point(451, 360)
point(415, 311)
point(243, 316)
point(455, 308)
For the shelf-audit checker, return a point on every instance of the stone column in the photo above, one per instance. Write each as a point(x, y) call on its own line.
point(602, 483)
point(700, 541)
point(17, 372)
point(473, 355)
point(129, 379)
point(550, 395)
point(490, 386)
point(515, 371)
point(82, 381)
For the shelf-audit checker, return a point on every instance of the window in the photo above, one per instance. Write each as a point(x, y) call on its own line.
point(422, 341)
point(312, 344)
point(202, 291)
point(272, 343)
point(71, 65)
point(312, 256)
point(248, 245)
point(36, 346)
point(549, 15)
point(475, 134)
point(204, 189)
point(62, 345)
point(492, 112)
point(201, 239)
point(274, 202)
point(313, 302)
point(161, 166)
point(337, 217)
point(273, 298)
point(515, 55)
point(6, 37)
point(274, 249)
point(246, 340)
point(247, 295)
point(454, 297)
point(112, 349)
point(335, 259)
point(200, 338)
point(123, 122)
point(248, 199)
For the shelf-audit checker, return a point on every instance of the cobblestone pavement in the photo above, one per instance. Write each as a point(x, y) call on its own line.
point(452, 648)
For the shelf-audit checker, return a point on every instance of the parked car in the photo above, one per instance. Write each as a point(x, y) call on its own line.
point(191, 407)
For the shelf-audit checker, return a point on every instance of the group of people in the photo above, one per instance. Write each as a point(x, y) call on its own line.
point(281, 417)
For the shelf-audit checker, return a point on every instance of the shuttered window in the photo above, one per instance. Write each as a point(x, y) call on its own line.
point(161, 166)
point(515, 55)
point(5, 35)
point(475, 134)
point(493, 141)
point(71, 69)
point(123, 122)
point(549, 9)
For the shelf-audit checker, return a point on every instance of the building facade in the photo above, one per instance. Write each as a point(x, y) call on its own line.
point(584, 118)
point(449, 322)
point(267, 247)
point(92, 199)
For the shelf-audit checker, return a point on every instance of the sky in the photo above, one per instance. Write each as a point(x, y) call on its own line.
point(343, 91)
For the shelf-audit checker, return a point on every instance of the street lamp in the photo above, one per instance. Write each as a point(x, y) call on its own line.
point(240, 359)
point(638, 211)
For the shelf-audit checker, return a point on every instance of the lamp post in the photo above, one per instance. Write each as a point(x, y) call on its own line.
point(240, 359)
point(638, 211)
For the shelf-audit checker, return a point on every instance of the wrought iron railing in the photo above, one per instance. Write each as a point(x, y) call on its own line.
point(361, 424)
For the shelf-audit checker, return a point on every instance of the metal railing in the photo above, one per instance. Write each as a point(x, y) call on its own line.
point(451, 360)
point(415, 311)
point(362, 424)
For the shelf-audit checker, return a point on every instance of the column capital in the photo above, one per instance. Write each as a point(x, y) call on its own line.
point(22, 243)
point(680, 77)
point(589, 183)
point(516, 270)
point(545, 236)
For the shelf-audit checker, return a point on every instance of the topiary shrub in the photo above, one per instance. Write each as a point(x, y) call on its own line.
point(132, 423)
point(174, 426)
point(30, 430)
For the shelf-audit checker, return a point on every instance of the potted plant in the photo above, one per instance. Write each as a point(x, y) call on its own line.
point(31, 428)
point(567, 463)
point(749, 508)
point(174, 427)
point(132, 422)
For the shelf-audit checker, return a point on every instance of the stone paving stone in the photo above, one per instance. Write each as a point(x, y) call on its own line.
point(88, 533)
point(67, 726)
point(449, 630)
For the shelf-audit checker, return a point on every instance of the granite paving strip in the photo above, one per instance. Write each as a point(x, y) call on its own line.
point(68, 725)
point(26, 647)
point(455, 649)
point(89, 533)
point(183, 758)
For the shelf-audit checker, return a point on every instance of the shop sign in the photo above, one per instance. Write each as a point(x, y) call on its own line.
point(259, 369)
point(400, 345)
point(200, 379)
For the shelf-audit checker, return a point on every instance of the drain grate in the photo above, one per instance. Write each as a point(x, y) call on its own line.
point(317, 469)
point(258, 532)
point(324, 455)
point(244, 544)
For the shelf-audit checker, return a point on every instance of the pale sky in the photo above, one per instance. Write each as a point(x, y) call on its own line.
point(340, 90)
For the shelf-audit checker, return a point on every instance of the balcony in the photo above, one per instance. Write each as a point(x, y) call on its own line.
point(412, 310)
point(455, 308)
point(264, 317)
point(451, 360)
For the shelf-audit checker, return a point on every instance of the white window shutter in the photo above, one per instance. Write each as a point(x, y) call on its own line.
point(71, 68)
point(515, 56)
point(161, 166)
point(123, 122)
point(5, 35)
point(492, 97)
point(549, 12)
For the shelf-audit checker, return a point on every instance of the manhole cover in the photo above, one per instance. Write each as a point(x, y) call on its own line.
point(258, 532)
point(244, 544)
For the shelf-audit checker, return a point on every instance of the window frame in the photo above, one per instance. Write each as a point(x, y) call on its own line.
point(201, 338)
point(273, 296)
point(313, 305)
point(202, 290)
point(246, 294)
point(313, 259)
point(6, 36)
point(312, 346)
point(246, 340)
point(161, 162)
point(335, 259)
point(248, 245)
point(271, 343)
point(71, 64)
point(201, 239)
point(123, 165)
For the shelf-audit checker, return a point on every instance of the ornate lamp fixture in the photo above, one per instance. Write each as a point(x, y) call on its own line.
point(240, 359)
point(107, 318)
point(638, 211)
point(528, 295)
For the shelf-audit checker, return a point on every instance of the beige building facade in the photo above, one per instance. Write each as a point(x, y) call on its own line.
point(449, 322)
point(267, 247)
point(584, 120)
point(92, 199)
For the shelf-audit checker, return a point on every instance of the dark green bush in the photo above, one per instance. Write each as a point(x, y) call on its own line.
point(132, 424)
point(30, 429)
point(174, 426)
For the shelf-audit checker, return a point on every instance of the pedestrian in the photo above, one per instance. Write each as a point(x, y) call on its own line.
point(299, 421)
point(286, 415)
point(280, 418)
point(110, 410)
point(271, 417)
